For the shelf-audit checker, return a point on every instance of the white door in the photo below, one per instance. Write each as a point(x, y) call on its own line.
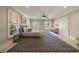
point(63, 26)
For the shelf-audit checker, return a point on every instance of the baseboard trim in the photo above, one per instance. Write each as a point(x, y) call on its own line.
point(69, 40)
point(4, 47)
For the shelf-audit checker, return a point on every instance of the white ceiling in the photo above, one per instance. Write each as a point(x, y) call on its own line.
point(35, 12)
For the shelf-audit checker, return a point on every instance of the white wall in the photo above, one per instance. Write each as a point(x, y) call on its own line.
point(69, 24)
point(3, 25)
point(74, 24)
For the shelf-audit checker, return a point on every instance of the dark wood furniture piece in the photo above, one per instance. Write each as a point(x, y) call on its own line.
point(16, 38)
point(19, 36)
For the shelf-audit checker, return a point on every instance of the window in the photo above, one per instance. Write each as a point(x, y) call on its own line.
point(13, 24)
point(46, 24)
point(24, 20)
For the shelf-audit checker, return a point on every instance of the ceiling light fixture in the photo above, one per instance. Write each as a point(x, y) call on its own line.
point(44, 15)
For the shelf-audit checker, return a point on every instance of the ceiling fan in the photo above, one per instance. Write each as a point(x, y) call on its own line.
point(43, 13)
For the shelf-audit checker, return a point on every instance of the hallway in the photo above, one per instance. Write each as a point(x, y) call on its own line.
point(47, 43)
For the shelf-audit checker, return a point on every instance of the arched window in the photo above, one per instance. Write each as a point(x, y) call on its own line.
point(46, 24)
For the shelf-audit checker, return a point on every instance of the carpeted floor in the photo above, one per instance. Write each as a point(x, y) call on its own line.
point(47, 43)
